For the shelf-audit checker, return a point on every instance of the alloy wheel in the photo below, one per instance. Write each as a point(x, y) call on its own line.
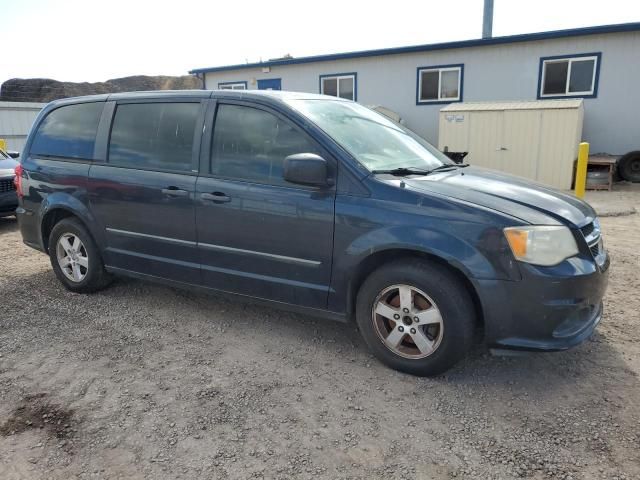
point(407, 321)
point(72, 257)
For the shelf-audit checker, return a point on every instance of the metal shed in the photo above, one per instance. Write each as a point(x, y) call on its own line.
point(16, 119)
point(537, 140)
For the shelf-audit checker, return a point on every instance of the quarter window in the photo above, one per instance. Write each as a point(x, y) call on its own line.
point(232, 86)
point(340, 85)
point(569, 76)
point(69, 131)
point(440, 84)
point(158, 136)
point(251, 144)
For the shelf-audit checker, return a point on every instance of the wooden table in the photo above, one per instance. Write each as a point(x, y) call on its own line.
point(601, 162)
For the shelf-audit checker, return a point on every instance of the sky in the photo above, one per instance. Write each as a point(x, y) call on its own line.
point(89, 41)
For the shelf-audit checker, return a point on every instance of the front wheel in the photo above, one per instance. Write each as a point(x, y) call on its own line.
point(416, 317)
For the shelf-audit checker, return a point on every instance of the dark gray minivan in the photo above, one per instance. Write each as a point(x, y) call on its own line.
point(314, 204)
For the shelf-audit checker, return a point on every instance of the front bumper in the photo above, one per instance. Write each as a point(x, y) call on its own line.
point(8, 203)
point(550, 309)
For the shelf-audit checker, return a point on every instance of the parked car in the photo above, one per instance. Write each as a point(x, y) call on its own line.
point(313, 204)
point(8, 197)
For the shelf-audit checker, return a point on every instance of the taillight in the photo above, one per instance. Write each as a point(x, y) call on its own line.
point(17, 181)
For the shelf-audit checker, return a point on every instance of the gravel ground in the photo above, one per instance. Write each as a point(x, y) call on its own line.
point(144, 381)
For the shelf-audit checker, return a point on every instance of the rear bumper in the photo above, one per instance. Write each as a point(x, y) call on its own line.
point(550, 309)
point(29, 224)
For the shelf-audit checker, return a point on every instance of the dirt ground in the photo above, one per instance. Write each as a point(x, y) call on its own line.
point(143, 381)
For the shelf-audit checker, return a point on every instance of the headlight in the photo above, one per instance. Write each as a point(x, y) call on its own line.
point(541, 245)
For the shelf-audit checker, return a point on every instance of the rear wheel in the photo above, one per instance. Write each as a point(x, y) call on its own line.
point(416, 317)
point(75, 258)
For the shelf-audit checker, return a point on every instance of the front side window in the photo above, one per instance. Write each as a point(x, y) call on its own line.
point(371, 138)
point(569, 76)
point(251, 144)
point(232, 85)
point(69, 131)
point(339, 85)
point(156, 136)
point(440, 84)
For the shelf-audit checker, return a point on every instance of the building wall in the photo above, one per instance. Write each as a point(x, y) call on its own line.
point(491, 73)
point(16, 119)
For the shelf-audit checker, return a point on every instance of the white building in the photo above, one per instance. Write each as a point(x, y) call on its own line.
point(16, 119)
point(599, 64)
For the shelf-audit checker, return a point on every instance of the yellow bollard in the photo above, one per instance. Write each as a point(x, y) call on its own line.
point(581, 169)
point(3, 144)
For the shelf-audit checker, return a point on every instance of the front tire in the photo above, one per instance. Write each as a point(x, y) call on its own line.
point(75, 258)
point(416, 317)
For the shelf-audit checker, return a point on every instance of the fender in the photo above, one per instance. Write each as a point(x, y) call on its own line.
point(72, 204)
point(462, 255)
point(470, 259)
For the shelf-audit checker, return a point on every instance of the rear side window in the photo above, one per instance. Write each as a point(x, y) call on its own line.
point(68, 131)
point(156, 136)
point(251, 144)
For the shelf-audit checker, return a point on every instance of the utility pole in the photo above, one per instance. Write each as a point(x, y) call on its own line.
point(487, 19)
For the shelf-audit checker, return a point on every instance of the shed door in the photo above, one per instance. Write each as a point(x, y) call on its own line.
point(506, 140)
point(485, 139)
point(518, 152)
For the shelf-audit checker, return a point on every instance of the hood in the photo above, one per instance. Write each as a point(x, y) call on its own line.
point(6, 166)
point(529, 201)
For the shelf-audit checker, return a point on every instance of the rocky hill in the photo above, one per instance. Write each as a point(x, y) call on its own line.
point(45, 90)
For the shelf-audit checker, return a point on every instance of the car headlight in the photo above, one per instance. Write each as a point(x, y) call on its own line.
point(541, 245)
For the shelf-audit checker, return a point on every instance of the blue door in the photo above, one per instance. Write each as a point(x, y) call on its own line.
point(270, 84)
point(143, 195)
point(259, 235)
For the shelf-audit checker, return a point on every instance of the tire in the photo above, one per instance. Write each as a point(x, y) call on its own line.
point(92, 275)
point(629, 167)
point(437, 346)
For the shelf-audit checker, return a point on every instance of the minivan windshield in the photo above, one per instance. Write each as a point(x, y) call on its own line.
point(375, 141)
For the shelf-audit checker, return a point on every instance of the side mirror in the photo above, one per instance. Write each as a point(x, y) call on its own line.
point(13, 154)
point(306, 169)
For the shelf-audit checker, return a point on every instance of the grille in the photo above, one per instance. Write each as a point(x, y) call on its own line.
point(587, 229)
point(7, 186)
point(591, 234)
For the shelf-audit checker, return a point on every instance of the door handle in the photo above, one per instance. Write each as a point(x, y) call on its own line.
point(174, 192)
point(215, 197)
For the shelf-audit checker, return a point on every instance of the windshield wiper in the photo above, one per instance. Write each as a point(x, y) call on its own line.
point(403, 171)
point(446, 166)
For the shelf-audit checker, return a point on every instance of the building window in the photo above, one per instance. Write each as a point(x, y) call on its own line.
point(232, 85)
point(440, 84)
point(342, 85)
point(569, 76)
